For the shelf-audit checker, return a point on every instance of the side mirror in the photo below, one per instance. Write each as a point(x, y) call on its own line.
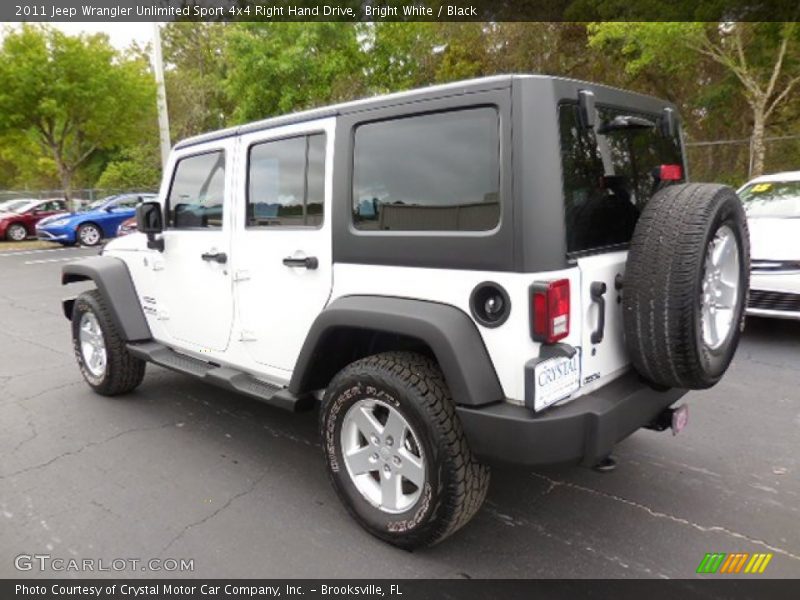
point(150, 221)
point(588, 114)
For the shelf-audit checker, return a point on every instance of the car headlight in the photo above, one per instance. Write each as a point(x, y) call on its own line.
point(58, 223)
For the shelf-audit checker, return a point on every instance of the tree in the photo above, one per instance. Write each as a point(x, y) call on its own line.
point(196, 68)
point(135, 168)
point(74, 95)
point(764, 59)
point(276, 68)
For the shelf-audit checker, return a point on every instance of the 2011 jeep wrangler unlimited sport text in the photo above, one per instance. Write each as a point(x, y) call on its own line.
point(506, 269)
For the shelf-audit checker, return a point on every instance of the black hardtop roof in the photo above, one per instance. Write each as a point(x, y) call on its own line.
point(457, 88)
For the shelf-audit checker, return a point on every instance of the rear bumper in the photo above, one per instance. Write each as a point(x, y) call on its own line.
point(583, 431)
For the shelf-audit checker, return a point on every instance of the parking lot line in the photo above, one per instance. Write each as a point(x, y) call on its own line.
point(49, 260)
point(23, 252)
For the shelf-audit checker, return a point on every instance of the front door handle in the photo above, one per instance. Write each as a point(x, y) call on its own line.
point(219, 257)
point(597, 290)
point(309, 262)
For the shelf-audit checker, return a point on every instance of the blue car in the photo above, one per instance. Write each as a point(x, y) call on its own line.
point(90, 225)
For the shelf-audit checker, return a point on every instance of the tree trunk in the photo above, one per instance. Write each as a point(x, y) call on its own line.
point(758, 147)
point(66, 183)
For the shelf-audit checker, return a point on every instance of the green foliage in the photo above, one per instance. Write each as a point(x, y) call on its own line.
point(667, 46)
point(276, 68)
point(135, 168)
point(196, 67)
point(75, 111)
point(73, 94)
point(23, 164)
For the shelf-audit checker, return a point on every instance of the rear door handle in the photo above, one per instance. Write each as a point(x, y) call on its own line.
point(597, 290)
point(309, 262)
point(218, 257)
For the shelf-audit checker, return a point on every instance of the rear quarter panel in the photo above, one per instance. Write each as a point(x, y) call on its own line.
point(510, 346)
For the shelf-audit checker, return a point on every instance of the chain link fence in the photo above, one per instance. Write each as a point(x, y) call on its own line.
point(731, 161)
point(79, 197)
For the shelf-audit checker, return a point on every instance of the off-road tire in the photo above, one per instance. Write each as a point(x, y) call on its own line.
point(16, 227)
point(663, 285)
point(124, 372)
point(456, 483)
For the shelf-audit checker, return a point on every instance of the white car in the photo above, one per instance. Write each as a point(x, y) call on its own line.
point(772, 204)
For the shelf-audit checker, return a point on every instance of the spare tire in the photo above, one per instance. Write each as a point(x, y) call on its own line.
point(685, 286)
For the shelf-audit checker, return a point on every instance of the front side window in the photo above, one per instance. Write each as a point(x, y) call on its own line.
point(609, 175)
point(287, 182)
point(55, 205)
point(198, 192)
point(435, 172)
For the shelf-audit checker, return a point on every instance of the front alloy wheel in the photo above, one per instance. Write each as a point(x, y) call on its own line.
point(17, 232)
point(93, 346)
point(100, 348)
point(89, 235)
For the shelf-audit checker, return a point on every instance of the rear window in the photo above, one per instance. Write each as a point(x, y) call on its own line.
point(436, 172)
point(609, 177)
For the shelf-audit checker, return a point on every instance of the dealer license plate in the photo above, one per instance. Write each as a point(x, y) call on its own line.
point(556, 379)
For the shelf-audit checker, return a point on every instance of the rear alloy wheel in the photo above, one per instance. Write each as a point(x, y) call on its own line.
point(686, 283)
point(395, 450)
point(383, 456)
point(16, 232)
point(89, 234)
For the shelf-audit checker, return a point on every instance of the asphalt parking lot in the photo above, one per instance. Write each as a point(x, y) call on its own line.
point(181, 470)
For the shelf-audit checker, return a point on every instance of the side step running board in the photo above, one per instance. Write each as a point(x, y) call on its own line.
point(224, 377)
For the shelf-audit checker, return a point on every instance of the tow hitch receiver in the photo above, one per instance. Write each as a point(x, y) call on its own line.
point(672, 418)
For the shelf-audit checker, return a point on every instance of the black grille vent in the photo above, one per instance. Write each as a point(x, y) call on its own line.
point(774, 265)
point(774, 301)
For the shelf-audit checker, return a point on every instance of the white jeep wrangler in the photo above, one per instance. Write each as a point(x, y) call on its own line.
point(506, 269)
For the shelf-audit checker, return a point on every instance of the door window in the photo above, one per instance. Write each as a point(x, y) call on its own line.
point(438, 171)
point(286, 182)
point(52, 206)
point(197, 193)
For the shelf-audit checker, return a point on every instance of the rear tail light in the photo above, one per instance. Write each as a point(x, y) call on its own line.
point(670, 172)
point(550, 310)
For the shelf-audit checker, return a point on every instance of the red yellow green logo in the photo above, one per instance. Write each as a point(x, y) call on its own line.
point(737, 562)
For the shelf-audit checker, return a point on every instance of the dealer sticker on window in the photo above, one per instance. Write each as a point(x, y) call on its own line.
point(555, 379)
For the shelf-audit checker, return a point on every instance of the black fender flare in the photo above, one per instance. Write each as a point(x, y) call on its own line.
point(113, 281)
point(448, 331)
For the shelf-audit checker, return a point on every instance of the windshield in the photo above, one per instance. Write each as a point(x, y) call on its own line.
point(17, 206)
point(96, 204)
point(777, 199)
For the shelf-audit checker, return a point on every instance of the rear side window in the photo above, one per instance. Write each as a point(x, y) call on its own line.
point(198, 192)
point(609, 177)
point(287, 182)
point(438, 171)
